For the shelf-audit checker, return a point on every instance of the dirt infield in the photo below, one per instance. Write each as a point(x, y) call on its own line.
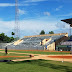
point(40, 50)
point(66, 57)
point(12, 56)
point(40, 56)
point(36, 50)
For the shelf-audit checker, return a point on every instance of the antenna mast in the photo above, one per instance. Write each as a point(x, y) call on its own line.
point(16, 28)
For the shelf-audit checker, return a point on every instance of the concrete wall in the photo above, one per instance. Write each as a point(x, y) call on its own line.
point(66, 34)
point(46, 35)
point(45, 41)
point(51, 47)
point(57, 42)
point(18, 42)
point(3, 45)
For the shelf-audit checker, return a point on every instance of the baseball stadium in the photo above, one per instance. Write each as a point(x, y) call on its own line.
point(48, 52)
point(58, 43)
point(39, 42)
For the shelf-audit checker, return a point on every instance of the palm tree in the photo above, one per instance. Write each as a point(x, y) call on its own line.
point(12, 33)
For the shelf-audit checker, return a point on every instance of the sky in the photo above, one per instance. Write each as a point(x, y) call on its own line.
point(35, 15)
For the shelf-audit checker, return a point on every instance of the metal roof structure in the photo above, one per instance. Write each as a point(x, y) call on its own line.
point(69, 21)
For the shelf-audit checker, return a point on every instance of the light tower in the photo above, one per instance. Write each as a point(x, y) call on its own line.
point(16, 27)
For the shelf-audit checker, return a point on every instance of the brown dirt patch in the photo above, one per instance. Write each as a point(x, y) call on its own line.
point(42, 50)
point(12, 56)
point(40, 56)
point(36, 50)
point(67, 57)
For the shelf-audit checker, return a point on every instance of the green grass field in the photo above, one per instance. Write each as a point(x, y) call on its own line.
point(40, 52)
point(30, 52)
point(35, 66)
point(11, 54)
point(23, 51)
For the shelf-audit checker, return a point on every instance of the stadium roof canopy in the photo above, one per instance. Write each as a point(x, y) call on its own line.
point(69, 21)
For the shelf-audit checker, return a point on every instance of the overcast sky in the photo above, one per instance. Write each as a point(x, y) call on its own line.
point(35, 15)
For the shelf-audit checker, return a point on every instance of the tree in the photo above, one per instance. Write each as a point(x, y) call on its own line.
point(42, 32)
point(11, 39)
point(51, 32)
point(2, 35)
point(13, 33)
point(5, 39)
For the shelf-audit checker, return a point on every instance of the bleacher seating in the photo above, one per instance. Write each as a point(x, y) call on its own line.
point(33, 43)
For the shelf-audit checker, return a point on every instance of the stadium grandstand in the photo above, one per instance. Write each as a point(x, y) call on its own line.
point(39, 42)
point(68, 43)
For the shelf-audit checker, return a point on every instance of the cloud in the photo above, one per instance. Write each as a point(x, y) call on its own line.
point(47, 13)
point(69, 14)
point(6, 26)
point(21, 12)
point(11, 4)
point(28, 27)
point(62, 1)
point(1, 19)
point(6, 4)
point(65, 1)
point(24, 3)
point(62, 25)
point(35, 26)
point(58, 8)
point(34, 0)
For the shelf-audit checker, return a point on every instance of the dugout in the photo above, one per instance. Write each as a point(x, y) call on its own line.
point(63, 48)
